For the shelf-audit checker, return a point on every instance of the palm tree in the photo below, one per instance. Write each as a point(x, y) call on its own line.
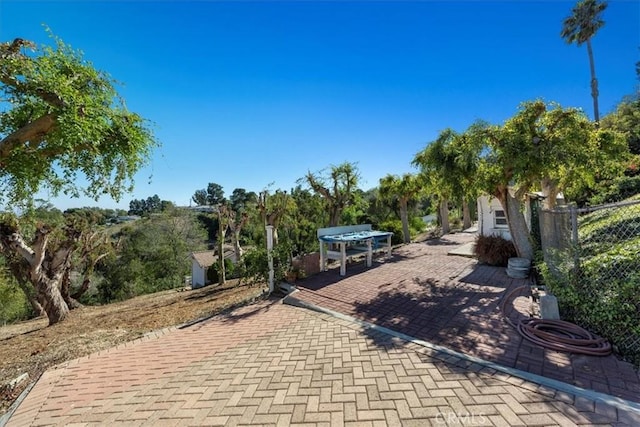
point(403, 189)
point(578, 28)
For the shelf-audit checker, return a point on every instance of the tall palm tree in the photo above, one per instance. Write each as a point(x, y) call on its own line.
point(578, 28)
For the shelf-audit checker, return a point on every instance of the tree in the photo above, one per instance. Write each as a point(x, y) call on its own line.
point(437, 165)
point(449, 165)
point(63, 120)
point(337, 188)
point(626, 120)
point(200, 197)
point(153, 255)
point(404, 189)
point(273, 208)
point(540, 145)
point(241, 198)
point(579, 28)
point(151, 205)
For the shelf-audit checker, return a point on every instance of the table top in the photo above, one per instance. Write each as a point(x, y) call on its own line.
point(354, 236)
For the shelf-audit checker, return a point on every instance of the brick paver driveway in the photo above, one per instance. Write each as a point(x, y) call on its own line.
point(273, 364)
point(455, 302)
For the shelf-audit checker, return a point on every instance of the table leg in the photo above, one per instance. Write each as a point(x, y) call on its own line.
point(323, 257)
point(369, 252)
point(389, 246)
point(343, 259)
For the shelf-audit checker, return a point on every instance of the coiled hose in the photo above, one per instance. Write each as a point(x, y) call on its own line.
point(557, 334)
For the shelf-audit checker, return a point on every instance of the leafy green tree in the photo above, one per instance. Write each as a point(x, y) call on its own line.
point(154, 255)
point(540, 145)
point(63, 120)
point(200, 197)
point(437, 166)
point(241, 199)
point(337, 187)
point(404, 189)
point(148, 206)
point(583, 23)
point(212, 196)
point(274, 209)
point(309, 215)
point(625, 119)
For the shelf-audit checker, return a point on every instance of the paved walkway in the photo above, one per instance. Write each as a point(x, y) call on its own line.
point(275, 364)
point(453, 301)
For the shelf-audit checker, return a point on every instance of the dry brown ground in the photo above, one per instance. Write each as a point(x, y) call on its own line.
point(32, 347)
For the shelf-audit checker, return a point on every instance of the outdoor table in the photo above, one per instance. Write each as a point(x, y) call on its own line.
point(351, 244)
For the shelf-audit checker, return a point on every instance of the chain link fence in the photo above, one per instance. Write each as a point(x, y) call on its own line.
point(592, 265)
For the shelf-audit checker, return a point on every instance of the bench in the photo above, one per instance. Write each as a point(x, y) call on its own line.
point(351, 241)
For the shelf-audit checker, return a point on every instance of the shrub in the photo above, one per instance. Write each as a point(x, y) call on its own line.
point(494, 250)
point(213, 273)
point(395, 226)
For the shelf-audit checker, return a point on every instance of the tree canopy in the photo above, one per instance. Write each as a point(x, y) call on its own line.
point(62, 120)
point(541, 147)
point(62, 124)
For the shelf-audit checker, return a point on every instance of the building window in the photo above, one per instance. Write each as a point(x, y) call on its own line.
point(499, 219)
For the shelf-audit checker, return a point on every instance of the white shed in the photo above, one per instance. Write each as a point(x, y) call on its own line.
point(202, 260)
point(492, 220)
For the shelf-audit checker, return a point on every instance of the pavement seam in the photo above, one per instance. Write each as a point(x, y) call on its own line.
point(537, 379)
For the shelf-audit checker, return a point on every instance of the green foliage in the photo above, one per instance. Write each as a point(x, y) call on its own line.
point(602, 293)
point(626, 120)
point(213, 273)
point(149, 206)
point(15, 305)
point(494, 250)
point(212, 196)
point(337, 187)
point(64, 121)
point(395, 226)
point(309, 215)
point(254, 266)
point(154, 255)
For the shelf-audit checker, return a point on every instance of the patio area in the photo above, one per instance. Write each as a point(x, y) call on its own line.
point(453, 301)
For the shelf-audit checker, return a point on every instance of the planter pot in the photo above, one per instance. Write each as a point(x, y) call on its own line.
point(518, 268)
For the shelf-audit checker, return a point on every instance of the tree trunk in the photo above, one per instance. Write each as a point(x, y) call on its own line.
point(594, 83)
point(237, 249)
point(81, 290)
point(466, 215)
point(20, 273)
point(65, 290)
point(334, 219)
point(51, 298)
point(45, 269)
point(520, 235)
point(444, 216)
point(404, 216)
point(549, 192)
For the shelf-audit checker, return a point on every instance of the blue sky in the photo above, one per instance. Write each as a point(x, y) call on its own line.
point(255, 94)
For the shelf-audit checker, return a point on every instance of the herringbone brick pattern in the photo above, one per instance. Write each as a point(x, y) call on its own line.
point(271, 364)
point(454, 302)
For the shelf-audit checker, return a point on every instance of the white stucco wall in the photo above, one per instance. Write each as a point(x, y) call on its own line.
point(486, 218)
point(198, 275)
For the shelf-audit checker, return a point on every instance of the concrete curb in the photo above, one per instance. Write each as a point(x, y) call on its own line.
point(527, 376)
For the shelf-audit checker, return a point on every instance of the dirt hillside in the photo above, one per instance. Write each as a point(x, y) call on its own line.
point(31, 347)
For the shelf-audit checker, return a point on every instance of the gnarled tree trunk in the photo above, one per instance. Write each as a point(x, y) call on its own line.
point(44, 270)
point(520, 235)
